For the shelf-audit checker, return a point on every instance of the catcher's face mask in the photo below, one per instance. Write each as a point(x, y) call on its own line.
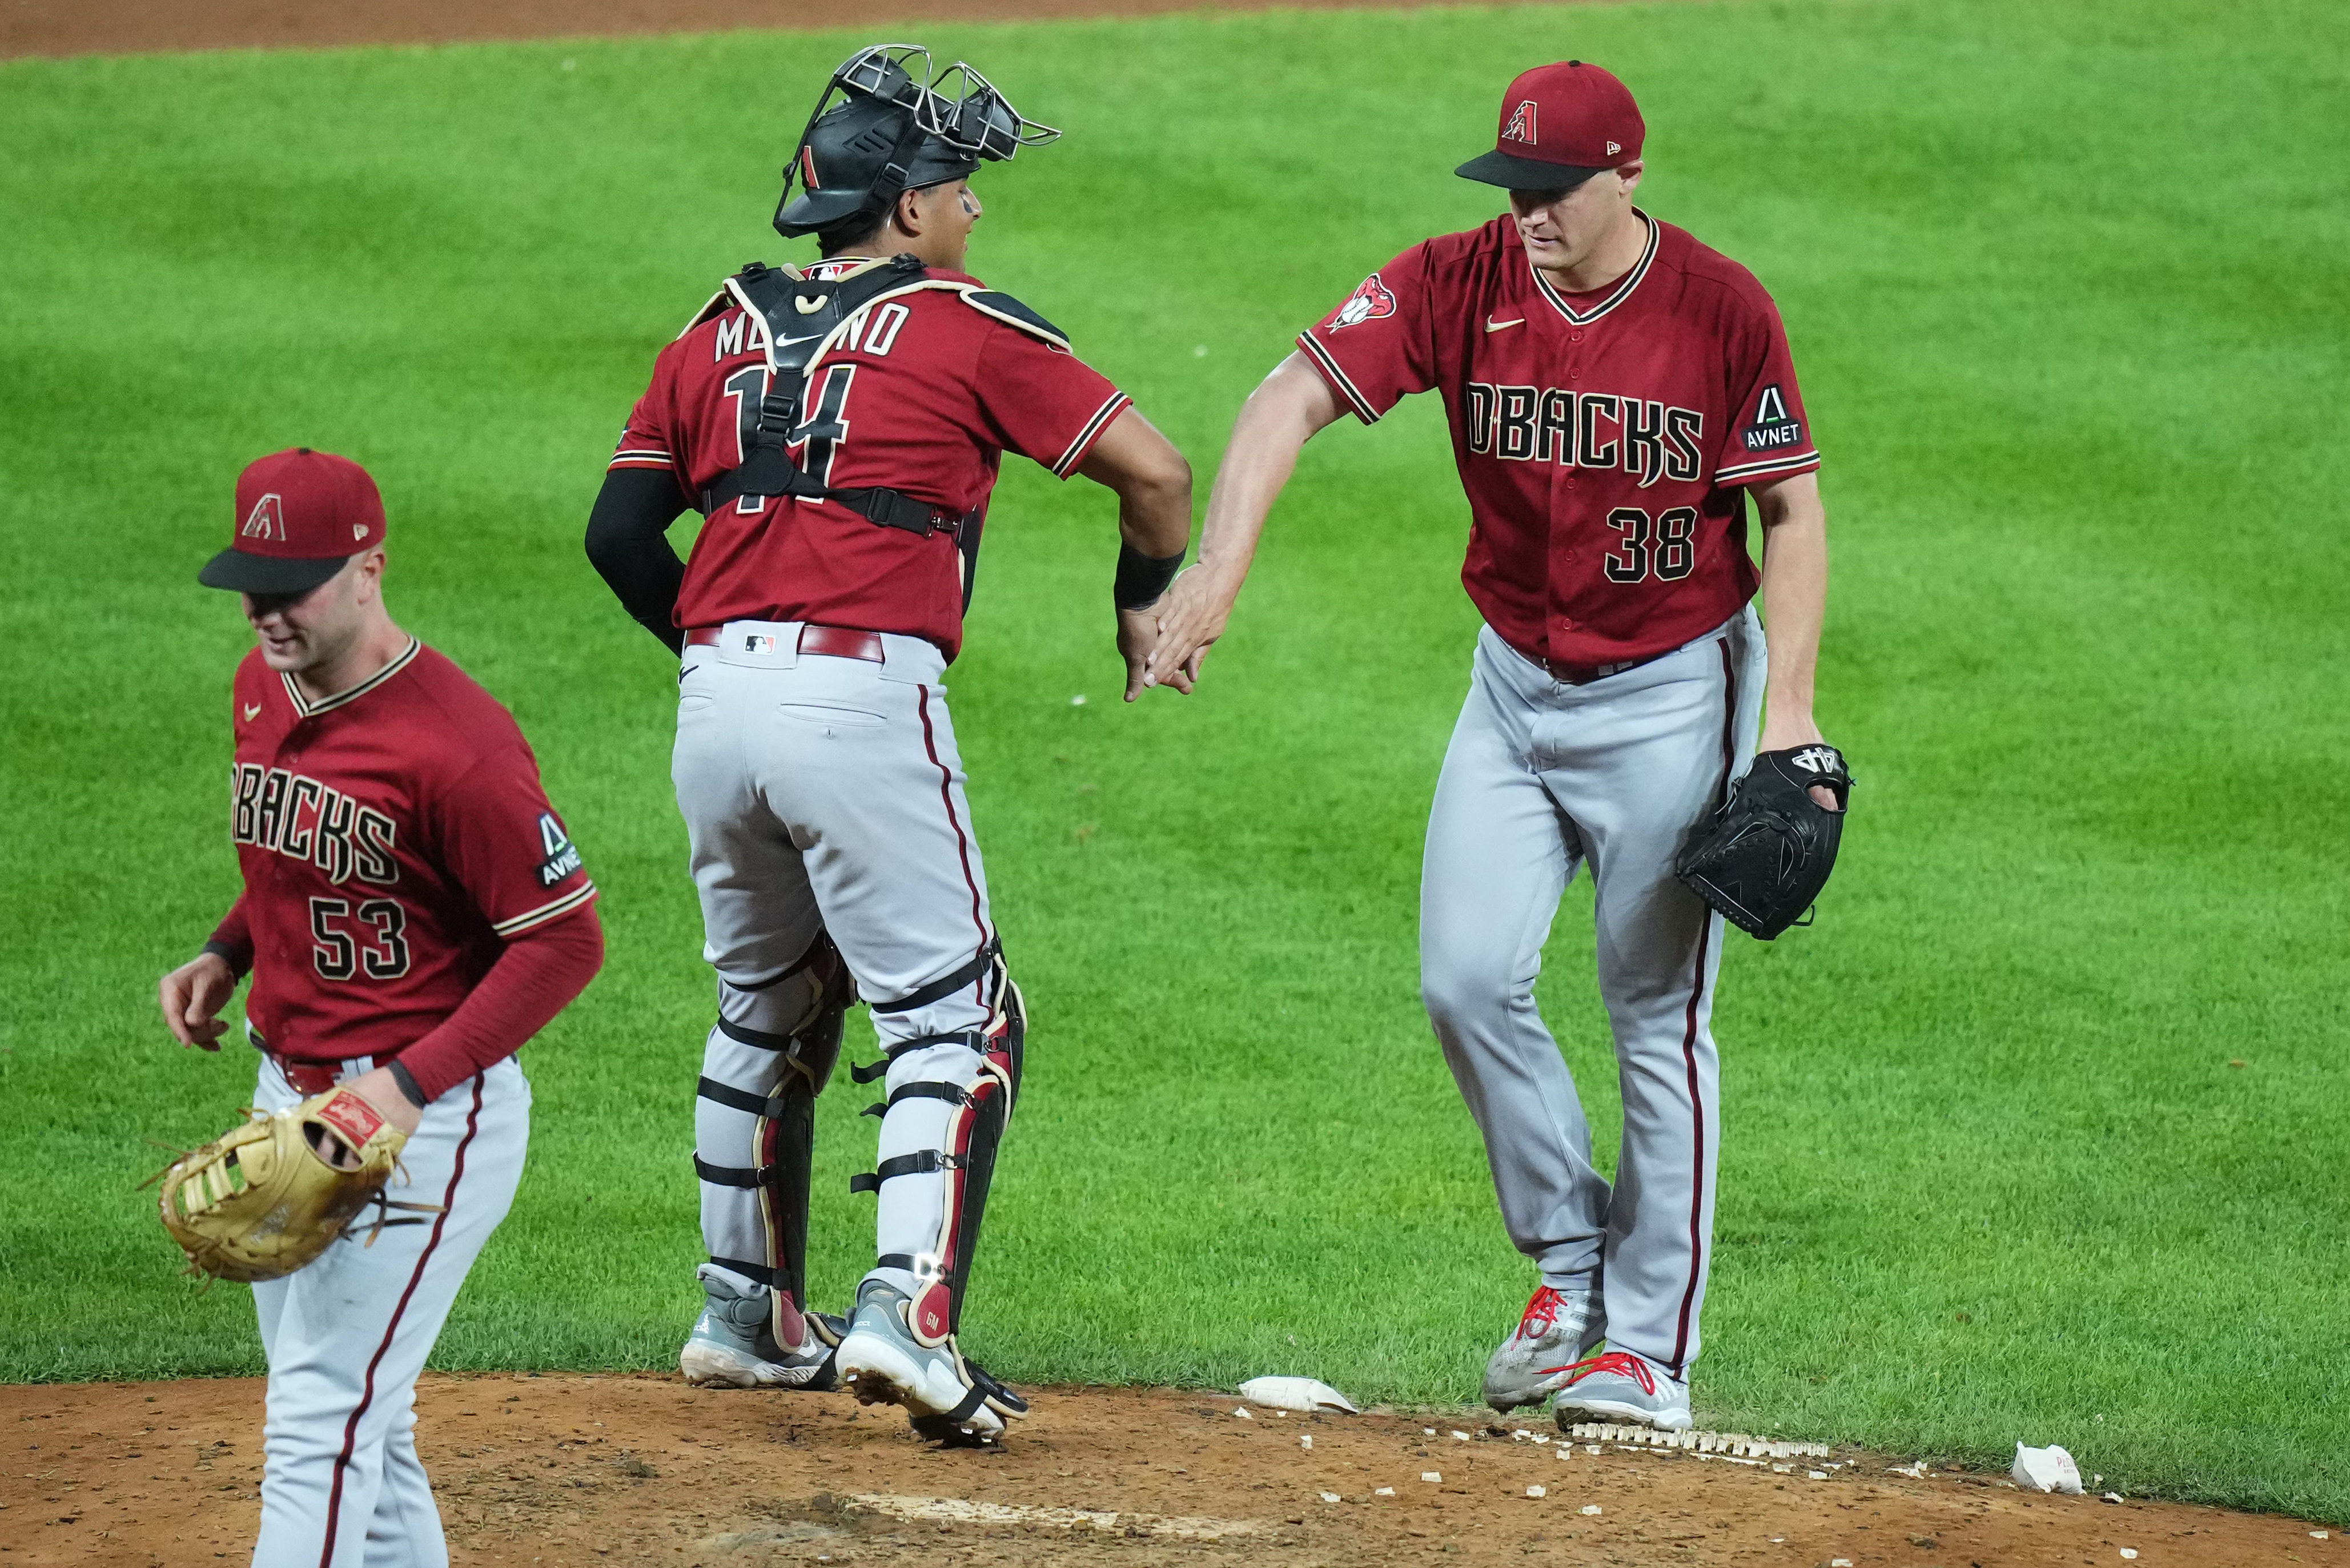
point(886, 123)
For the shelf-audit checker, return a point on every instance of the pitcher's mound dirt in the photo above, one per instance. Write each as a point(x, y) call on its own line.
point(586, 1470)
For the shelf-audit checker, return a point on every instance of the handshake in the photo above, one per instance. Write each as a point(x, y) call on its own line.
point(1165, 642)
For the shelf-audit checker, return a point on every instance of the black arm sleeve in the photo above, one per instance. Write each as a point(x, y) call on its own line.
point(627, 540)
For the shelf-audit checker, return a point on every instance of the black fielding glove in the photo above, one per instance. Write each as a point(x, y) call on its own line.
point(1763, 858)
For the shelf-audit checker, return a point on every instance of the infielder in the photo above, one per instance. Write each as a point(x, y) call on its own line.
point(414, 912)
point(1615, 391)
point(840, 430)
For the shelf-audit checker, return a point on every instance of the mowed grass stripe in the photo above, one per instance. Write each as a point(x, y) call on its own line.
point(2065, 293)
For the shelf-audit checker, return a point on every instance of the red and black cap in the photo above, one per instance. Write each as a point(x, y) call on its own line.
point(1561, 124)
point(300, 516)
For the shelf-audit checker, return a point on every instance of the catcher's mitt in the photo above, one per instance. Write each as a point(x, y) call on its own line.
point(261, 1201)
point(1765, 856)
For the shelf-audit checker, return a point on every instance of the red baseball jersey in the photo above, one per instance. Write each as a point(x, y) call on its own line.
point(393, 837)
point(1603, 440)
point(923, 393)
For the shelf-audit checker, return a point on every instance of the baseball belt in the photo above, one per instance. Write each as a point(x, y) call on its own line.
point(837, 641)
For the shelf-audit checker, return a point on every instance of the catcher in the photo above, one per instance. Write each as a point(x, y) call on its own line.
point(414, 912)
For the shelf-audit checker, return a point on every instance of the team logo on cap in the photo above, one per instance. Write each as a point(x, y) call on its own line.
point(1371, 300)
point(267, 520)
point(1522, 124)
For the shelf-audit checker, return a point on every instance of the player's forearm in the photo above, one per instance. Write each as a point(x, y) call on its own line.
point(535, 979)
point(1279, 417)
point(1152, 482)
point(627, 540)
point(232, 940)
point(1794, 595)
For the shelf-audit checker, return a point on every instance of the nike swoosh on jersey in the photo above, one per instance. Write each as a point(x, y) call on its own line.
point(1493, 326)
point(252, 711)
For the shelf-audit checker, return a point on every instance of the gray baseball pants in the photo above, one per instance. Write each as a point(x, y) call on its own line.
point(823, 794)
point(1541, 778)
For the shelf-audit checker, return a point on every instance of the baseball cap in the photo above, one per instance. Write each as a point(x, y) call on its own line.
point(300, 516)
point(1561, 124)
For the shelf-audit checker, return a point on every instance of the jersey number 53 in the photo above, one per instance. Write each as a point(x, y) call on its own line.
point(347, 941)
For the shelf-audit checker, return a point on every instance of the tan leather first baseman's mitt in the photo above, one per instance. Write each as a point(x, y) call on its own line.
point(263, 1199)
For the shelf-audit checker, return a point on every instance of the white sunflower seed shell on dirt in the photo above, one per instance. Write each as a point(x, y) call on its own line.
point(2046, 1469)
point(1301, 1394)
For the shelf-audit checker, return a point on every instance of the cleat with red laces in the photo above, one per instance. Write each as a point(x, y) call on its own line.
point(1623, 1387)
point(1532, 1364)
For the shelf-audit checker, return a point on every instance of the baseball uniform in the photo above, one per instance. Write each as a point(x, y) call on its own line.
point(816, 763)
point(1604, 441)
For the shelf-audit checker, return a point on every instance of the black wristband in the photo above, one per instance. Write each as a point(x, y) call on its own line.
point(407, 1082)
point(226, 954)
point(1142, 578)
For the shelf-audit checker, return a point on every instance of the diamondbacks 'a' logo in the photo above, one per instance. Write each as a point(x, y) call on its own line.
point(1819, 759)
point(1772, 408)
point(267, 520)
point(1371, 300)
point(1522, 124)
point(562, 854)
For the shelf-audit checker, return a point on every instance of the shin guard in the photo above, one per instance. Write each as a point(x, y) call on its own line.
point(978, 1114)
point(783, 1138)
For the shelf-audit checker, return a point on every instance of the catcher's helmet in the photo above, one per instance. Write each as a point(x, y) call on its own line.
point(895, 127)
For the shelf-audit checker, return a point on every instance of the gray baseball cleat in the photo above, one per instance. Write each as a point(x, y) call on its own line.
point(949, 1397)
point(1621, 1385)
point(734, 1344)
point(1558, 1328)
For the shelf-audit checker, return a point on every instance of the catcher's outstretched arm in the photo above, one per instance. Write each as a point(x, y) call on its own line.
point(1794, 605)
point(1280, 417)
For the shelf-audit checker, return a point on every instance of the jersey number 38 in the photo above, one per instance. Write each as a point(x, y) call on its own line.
point(1664, 546)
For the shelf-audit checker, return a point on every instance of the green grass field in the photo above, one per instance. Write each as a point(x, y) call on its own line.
point(2038, 1134)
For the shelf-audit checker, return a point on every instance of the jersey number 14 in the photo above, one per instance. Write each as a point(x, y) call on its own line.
point(813, 442)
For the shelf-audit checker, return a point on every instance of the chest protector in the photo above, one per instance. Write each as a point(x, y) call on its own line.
point(798, 318)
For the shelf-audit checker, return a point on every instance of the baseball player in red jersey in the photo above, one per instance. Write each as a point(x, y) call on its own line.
point(414, 912)
point(840, 429)
point(1616, 391)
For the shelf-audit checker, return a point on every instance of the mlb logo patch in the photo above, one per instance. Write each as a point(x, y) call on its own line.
point(758, 643)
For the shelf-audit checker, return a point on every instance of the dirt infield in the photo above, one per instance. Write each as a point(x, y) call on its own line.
point(583, 1470)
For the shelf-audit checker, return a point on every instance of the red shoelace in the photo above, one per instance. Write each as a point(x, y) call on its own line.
point(1541, 1314)
point(1621, 1362)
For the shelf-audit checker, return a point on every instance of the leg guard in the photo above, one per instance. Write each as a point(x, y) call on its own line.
point(976, 1076)
point(771, 1077)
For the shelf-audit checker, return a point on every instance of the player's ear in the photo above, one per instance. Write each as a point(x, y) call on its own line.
point(368, 587)
point(1630, 174)
point(907, 214)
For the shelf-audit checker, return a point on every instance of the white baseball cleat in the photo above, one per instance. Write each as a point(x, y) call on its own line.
point(733, 1344)
point(1556, 1329)
point(1621, 1385)
point(948, 1397)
